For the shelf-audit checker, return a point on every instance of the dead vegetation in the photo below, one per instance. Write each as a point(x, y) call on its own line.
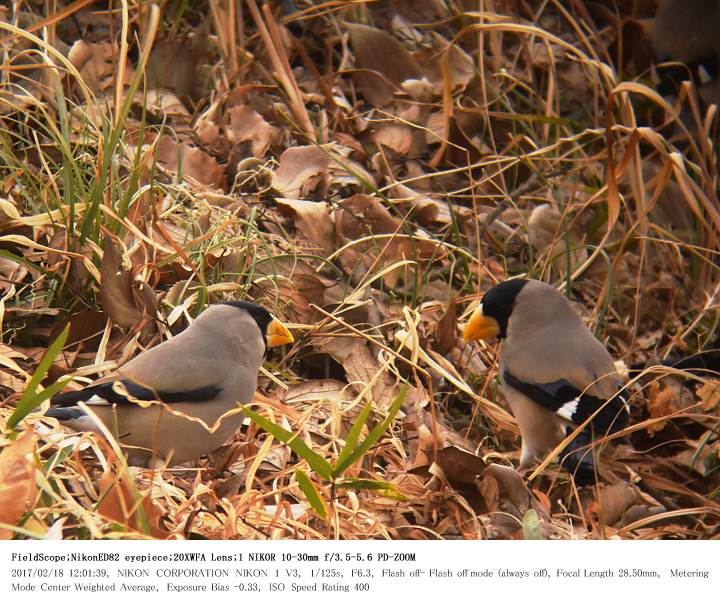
point(363, 169)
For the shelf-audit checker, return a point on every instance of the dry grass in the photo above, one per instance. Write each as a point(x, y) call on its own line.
point(364, 186)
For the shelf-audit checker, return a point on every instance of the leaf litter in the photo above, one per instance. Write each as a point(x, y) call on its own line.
point(364, 181)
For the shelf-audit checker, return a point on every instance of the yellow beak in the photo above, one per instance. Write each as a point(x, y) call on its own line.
point(277, 334)
point(480, 327)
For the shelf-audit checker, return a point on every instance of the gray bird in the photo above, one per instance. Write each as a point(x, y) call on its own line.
point(553, 371)
point(202, 373)
point(687, 31)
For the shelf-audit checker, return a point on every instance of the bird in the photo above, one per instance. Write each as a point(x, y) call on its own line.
point(152, 403)
point(553, 371)
point(686, 31)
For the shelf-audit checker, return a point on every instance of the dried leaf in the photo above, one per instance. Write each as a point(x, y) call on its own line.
point(312, 221)
point(659, 403)
point(208, 132)
point(363, 369)
point(128, 302)
point(426, 211)
point(460, 66)
point(397, 137)
point(709, 395)
point(17, 480)
point(191, 161)
point(120, 503)
point(512, 485)
point(96, 64)
point(613, 501)
point(503, 490)
point(315, 390)
point(246, 124)
point(302, 170)
point(362, 214)
point(547, 234)
point(116, 287)
point(11, 382)
point(164, 103)
point(446, 330)
point(377, 51)
point(183, 76)
point(460, 465)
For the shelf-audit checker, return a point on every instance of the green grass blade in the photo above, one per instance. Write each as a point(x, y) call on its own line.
point(112, 134)
point(311, 494)
point(373, 436)
point(354, 434)
point(30, 398)
point(34, 402)
point(24, 261)
point(317, 463)
point(386, 488)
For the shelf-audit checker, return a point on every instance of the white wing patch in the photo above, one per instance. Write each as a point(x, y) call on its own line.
point(567, 411)
point(83, 424)
point(704, 74)
point(96, 400)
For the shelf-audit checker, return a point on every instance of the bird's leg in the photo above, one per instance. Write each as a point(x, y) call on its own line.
point(527, 458)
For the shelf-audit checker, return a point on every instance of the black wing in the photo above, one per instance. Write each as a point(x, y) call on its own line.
point(567, 401)
point(123, 392)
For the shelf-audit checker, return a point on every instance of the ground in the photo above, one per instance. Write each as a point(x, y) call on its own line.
point(365, 170)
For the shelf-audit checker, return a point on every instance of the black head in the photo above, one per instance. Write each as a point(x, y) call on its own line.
point(499, 300)
point(261, 316)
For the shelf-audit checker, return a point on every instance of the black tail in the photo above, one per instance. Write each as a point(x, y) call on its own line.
point(65, 414)
point(577, 458)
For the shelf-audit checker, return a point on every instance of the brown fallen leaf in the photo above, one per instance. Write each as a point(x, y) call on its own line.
point(126, 302)
point(446, 330)
point(512, 484)
point(11, 271)
point(96, 63)
point(86, 328)
point(640, 511)
point(116, 287)
point(709, 395)
point(397, 137)
point(660, 403)
point(547, 234)
point(326, 389)
point(121, 502)
point(17, 480)
point(303, 170)
point(312, 222)
point(303, 288)
point(460, 465)
point(426, 211)
point(246, 124)
point(10, 383)
point(189, 160)
point(164, 103)
point(362, 214)
point(504, 491)
point(613, 502)
point(451, 57)
point(207, 131)
point(362, 368)
point(184, 77)
point(383, 63)
point(455, 453)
